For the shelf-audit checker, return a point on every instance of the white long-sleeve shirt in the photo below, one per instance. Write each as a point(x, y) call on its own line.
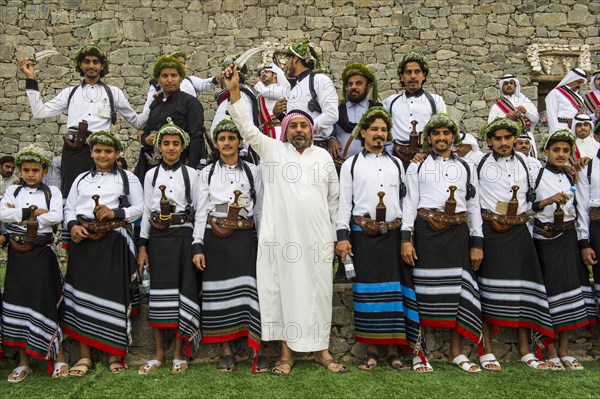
point(588, 196)
point(89, 102)
point(358, 195)
point(428, 187)
point(554, 181)
point(498, 175)
point(559, 106)
point(172, 178)
point(411, 108)
point(109, 186)
point(20, 211)
point(224, 181)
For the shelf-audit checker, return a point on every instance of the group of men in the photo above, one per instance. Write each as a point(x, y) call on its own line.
point(431, 232)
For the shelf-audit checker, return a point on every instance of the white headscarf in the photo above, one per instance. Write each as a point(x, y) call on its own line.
point(508, 77)
point(469, 139)
point(593, 88)
point(588, 147)
point(573, 75)
point(281, 78)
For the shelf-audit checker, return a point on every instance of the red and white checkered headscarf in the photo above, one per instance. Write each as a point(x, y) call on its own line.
point(294, 114)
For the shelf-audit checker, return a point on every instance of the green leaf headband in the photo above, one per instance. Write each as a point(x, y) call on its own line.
point(301, 49)
point(497, 124)
point(171, 129)
point(225, 125)
point(33, 153)
point(377, 112)
point(416, 57)
point(105, 137)
point(167, 61)
point(438, 120)
point(359, 69)
point(560, 135)
point(90, 49)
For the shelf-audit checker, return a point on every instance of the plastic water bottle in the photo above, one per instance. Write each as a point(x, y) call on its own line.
point(145, 280)
point(349, 266)
point(571, 192)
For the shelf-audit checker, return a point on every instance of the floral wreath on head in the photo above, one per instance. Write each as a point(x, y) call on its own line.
point(377, 112)
point(225, 125)
point(302, 49)
point(500, 123)
point(560, 135)
point(91, 49)
point(171, 129)
point(414, 56)
point(104, 137)
point(166, 61)
point(354, 69)
point(33, 153)
point(438, 120)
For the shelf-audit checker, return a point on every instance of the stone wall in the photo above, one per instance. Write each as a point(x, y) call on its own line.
point(470, 44)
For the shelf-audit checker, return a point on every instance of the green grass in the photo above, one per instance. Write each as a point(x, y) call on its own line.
point(309, 380)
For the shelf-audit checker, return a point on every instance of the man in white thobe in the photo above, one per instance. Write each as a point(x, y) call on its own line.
point(296, 236)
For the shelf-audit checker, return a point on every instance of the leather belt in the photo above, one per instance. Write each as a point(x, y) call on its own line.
point(97, 229)
point(595, 214)
point(503, 223)
point(373, 228)
point(439, 221)
point(223, 227)
point(565, 120)
point(22, 243)
point(161, 223)
point(551, 230)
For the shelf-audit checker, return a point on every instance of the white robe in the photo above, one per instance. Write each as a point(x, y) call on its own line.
point(297, 233)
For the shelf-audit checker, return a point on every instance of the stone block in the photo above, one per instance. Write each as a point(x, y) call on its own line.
point(323, 23)
point(104, 29)
point(154, 29)
point(132, 30)
point(338, 346)
point(8, 70)
point(65, 40)
point(549, 19)
point(170, 15)
point(445, 55)
point(344, 22)
point(496, 29)
point(253, 17)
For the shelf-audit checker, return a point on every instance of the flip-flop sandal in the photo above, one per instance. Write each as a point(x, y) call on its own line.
point(555, 364)
point(329, 362)
point(115, 366)
point(282, 367)
point(571, 363)
point(263, 365)
point(531, 361)
point(179, 366)
point(417, 364)
point(463, 363)
point(58, 370)
point(19, 374)
point(396, 363)
point(365, 365)
point(489, 360)
point(150, 366)
point(227, 364)
point(81, 368)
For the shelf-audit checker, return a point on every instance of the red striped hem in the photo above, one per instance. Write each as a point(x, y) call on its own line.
point(576, 326)
point(23, 345)
point(451, 324)
point(214, 339)
point(154, 324)
point(382, 341)
point(104, 347)
point(519, 323)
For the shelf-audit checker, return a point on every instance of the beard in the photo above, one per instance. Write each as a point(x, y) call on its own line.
point(299, 142)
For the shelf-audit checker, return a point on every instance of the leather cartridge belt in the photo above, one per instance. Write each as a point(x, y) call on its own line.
point(503, 223)
point(162, 223)
point(404, 152)
point(595, 214)
point(564, 120)
point(97, 229)
point(373, 228)
point(240, 224)
point(551, 230)
point(439, 221)
point(22, 243)
point(223, 227)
